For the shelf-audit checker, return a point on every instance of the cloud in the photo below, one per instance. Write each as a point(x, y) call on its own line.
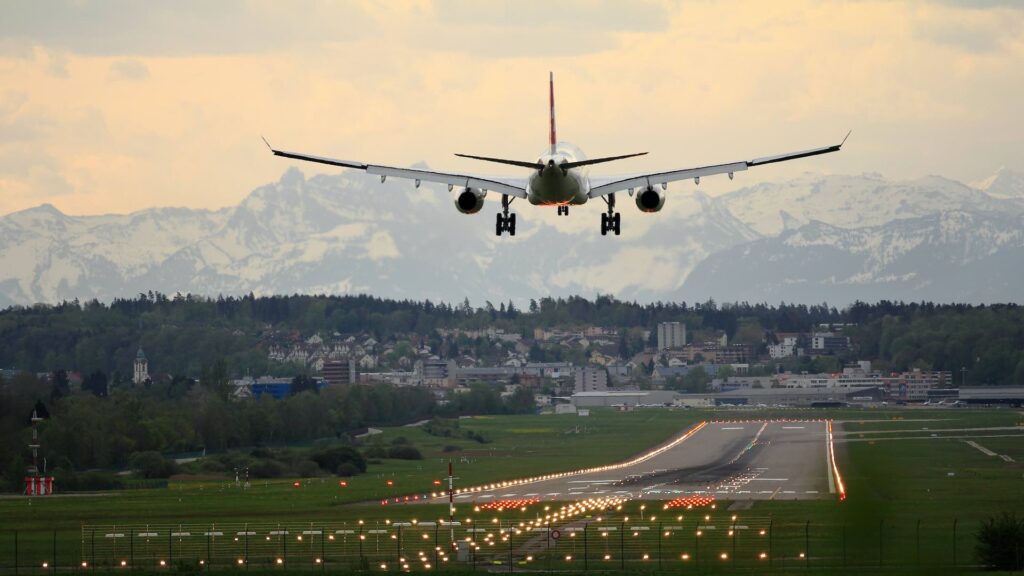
point(176, 28)
point(399, 82)
point(129, 70)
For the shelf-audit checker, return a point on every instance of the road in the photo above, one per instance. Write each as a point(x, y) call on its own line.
point(752, 460)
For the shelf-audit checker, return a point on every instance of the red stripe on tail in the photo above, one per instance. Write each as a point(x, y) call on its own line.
point(551, 101)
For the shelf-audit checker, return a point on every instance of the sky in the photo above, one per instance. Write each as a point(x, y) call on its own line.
point(118, 105)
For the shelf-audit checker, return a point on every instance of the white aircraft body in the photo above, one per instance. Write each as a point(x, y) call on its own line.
point(557, 178)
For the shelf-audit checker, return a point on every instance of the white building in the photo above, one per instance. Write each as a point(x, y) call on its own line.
point(785, 349)
point(140, 372)
point(671, 335)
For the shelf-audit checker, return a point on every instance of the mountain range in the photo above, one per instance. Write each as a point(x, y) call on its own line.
point(811, 239)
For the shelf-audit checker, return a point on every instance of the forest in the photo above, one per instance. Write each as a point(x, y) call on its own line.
point(189, 336)
point(201, 343)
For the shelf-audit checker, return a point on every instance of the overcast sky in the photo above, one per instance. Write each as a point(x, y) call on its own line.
point(118, 105)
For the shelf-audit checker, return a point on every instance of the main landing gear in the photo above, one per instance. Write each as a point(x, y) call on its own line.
point(563, 210)
point(505, 222)
point(611, 220)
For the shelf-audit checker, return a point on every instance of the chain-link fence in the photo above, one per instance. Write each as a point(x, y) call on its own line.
point(694, 539)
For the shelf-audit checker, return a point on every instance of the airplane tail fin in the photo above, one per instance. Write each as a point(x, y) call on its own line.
point(551, 102)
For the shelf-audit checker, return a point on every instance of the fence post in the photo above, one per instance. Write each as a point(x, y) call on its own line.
point(548, 546)
point(208, 533)
point(844, 545)
point(954, 541)
point(917, 543)
point(323, 548)
point(659, 545)
point(53, 569)
point(170, 546)
point(696, 544)
point(284, 541)
point(16, 553)
point(771, 536)
point(246, 545)
point(398, 547)
point(511, 568)
point(436, 548)
point(622, 545)
point(735, 535)
point(92, 544)
point(881, 540)
point(585, 560)
point(807, 544)
point(361, 559)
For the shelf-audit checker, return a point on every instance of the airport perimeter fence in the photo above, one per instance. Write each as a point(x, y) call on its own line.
point(697, 542)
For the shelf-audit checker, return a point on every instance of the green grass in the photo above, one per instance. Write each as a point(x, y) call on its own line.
point(892, 486)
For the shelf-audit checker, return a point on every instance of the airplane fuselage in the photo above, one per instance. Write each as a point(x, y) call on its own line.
point(554, 186)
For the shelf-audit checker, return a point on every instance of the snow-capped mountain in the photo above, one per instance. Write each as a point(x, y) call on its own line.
point(948, 256)
point(854, 201)
point(1005, 183)
point(350, 233)
point(840, 237)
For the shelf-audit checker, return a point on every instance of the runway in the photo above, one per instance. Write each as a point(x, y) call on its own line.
point(752, 460)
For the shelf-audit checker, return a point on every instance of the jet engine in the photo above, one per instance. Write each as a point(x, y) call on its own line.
point(650, 200)
point(470, 200)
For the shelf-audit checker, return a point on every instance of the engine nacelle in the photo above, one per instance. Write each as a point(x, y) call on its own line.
point(650, 200)
point(470, 200)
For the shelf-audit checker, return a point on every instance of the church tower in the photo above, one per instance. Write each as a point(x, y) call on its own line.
point(141, 372)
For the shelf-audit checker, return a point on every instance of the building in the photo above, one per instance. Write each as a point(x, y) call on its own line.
point(140, 371)
point(1011, 395)
point(812, 397)
point(784, 349)
point(671, 335)
point(340, 372)
point(591, 380)
point(915, 385)
point(829, 343)
point(436, 372)
point(624, 398)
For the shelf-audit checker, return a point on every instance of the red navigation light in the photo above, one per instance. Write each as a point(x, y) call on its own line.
point(343, 484)
point(297, 484)
point(391, 482)
point(437, 482)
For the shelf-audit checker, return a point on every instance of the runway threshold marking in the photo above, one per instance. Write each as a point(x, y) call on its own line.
point(733, 428)
point(980, 448)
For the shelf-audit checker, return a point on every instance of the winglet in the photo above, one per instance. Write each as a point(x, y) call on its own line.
point(267, 143)
point(845, 137)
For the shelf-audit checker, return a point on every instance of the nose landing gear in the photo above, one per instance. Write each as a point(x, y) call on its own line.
point(505, 222)
point(611, 221)
point(563, 210)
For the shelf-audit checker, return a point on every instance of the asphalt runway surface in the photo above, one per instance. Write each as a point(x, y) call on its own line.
point(755, 460)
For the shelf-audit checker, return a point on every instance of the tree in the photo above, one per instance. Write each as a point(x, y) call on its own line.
point(1000, 542)
point(521, 401)
point(96, 383)
point(303, 383)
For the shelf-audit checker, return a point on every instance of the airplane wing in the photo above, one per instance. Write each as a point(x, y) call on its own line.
point(462, 180)
point(662, 178)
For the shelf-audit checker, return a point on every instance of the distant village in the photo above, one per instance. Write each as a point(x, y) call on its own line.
point(582, 367)
point(704, 369)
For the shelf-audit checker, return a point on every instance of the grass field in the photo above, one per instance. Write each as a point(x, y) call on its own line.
point(905, 487)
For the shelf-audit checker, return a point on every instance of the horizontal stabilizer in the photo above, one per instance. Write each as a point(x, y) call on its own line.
point(568, 165)
point(520, 163)
point(539, 166)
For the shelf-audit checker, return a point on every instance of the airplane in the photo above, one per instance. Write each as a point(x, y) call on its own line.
point(557, 178)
